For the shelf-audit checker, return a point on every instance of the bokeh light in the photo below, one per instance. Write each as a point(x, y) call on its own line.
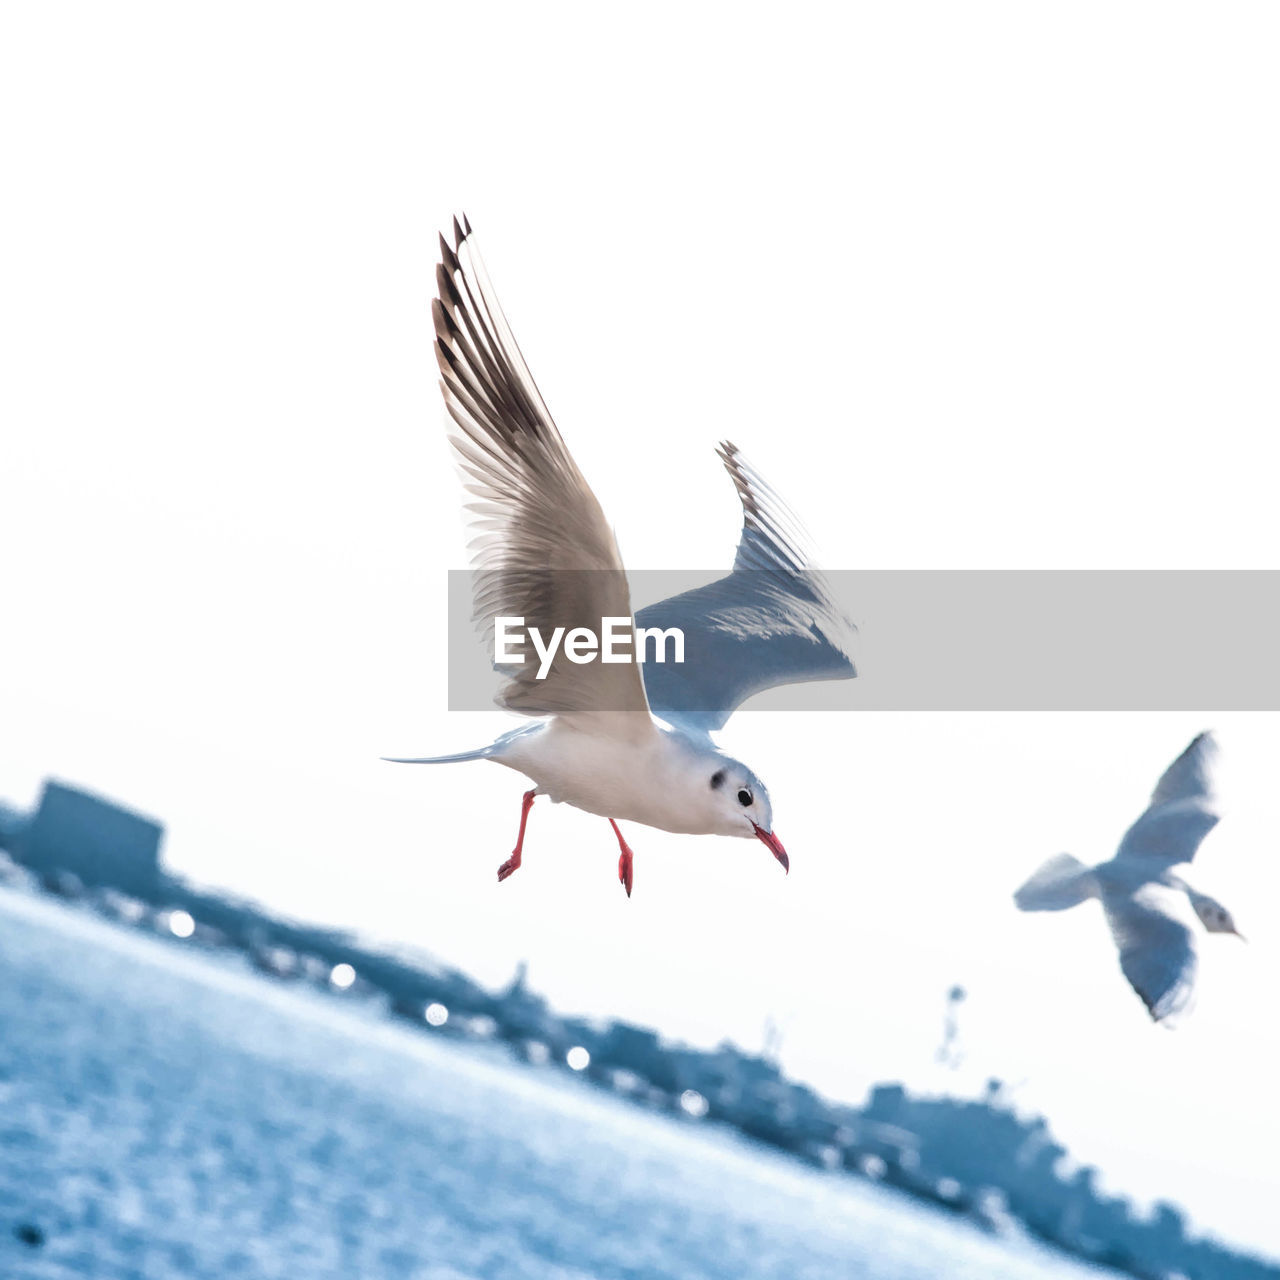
point(692, 1103)
point(181, 925)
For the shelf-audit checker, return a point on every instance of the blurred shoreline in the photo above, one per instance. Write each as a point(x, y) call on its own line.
point(976, 1159)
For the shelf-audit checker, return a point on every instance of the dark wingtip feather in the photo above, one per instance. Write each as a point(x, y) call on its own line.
point(446, 329)
point(445, 359)
point(726, 450)
point(445, 288)
point(728, 453)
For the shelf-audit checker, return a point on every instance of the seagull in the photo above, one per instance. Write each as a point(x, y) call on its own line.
point(1151, 910)
point(613, 739)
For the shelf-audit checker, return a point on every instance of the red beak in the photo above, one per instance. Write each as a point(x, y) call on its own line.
point(774, 846)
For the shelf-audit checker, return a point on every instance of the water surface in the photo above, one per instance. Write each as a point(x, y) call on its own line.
point(165, 1114)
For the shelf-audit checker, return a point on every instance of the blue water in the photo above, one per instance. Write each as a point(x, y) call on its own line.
point(164, 1114)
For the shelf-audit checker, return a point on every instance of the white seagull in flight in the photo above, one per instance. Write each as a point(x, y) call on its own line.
point(611, 739)
point(1152, 912)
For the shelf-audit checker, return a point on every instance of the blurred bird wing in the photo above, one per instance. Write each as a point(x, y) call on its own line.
point(543, 550)
point(1183, 810)
point(772, 621)
point(1153, 928)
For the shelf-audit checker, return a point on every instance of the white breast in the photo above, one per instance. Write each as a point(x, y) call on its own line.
point(645, 781)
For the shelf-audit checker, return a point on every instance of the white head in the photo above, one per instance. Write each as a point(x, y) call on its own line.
point(735, 802)
point(1213, 915)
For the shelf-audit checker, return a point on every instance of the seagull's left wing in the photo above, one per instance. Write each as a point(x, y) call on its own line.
point(1183, 809)
point(1157, 946)
point(772, 621)
point(543, 550)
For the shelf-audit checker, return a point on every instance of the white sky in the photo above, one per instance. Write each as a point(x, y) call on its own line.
point(983, 286)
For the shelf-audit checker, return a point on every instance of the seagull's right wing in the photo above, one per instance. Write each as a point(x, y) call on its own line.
point(1157, 946)
point(1183, 809)
point(544, 551)
point(772, 621)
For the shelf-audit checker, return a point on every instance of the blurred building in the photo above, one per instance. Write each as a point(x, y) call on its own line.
point(11, 823)
point(73, 832)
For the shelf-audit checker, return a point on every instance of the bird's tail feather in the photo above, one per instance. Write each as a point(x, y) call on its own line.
point(1060, 883)
point(480, 753)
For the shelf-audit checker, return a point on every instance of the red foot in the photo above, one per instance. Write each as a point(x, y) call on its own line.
point(513, 862)
point(625, 873)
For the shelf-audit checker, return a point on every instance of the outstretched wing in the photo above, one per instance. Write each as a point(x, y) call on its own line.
point(1157, 946)
point(772, 621)
point(543, 550)
point(1183, 809)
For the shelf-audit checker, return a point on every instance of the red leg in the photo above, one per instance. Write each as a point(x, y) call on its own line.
point(624, 859)
point(513, 862)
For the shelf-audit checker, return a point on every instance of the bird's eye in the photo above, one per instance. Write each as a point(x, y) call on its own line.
point(717, 779)
point(744, 798)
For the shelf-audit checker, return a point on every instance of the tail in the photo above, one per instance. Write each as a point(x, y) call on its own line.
point(480, 753)
point(1062, 882)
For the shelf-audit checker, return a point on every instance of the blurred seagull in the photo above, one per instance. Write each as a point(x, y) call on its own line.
point(1151, 910)
point(771, 621)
